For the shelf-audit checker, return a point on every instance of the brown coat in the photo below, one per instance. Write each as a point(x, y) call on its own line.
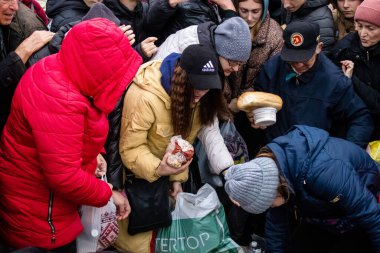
point(267, 43)
point(23, 25)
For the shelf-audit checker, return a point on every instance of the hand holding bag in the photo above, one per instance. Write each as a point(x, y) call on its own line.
point(100, 228)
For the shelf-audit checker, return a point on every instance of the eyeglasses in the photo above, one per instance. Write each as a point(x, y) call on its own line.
point(235, 63)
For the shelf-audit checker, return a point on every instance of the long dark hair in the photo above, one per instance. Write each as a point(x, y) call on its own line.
point(182, 94)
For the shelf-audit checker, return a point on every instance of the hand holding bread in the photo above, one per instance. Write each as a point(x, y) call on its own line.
point(251, 100)
point(180, 151)
point(261, 106)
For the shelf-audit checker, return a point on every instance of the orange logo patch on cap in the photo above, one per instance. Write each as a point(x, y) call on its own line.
point(296, 39)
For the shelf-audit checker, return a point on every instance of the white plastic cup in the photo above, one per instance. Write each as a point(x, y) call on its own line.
point(265, 116)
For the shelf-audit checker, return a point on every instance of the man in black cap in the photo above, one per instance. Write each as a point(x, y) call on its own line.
point(314, 91)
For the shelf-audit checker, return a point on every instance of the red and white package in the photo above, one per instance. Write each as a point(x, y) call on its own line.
point(180, 151)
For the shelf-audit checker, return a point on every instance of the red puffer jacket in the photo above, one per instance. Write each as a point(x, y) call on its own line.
point(56, 128)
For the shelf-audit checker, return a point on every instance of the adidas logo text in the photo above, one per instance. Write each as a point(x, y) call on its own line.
point(208, 67)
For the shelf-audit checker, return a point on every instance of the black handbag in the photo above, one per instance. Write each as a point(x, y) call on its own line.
point(150, 206)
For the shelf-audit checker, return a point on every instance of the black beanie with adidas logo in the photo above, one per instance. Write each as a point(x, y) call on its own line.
point(201, 65)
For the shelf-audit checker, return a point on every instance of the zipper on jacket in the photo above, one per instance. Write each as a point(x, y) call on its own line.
point(367, 55)
point(50, 209)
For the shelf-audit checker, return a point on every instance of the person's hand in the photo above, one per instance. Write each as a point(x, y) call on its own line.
point(173, 3)
point(101, 167)
point(176, 188)
point(225, 4)
point(234, 201)
point(127, 30)
point(164, 169)
point(347, 67)
point(148, 47)
point(32, 44)
point(123, 209)
point(233, 106)
point(252, 121)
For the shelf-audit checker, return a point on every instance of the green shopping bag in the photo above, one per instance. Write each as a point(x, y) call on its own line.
point(199, 226)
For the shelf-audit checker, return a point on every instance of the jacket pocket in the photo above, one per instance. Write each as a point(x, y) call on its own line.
point(164, 130)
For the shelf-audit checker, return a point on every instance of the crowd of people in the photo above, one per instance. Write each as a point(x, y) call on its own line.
point(99, 87)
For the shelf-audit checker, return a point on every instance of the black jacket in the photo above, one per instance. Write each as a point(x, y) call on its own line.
point(11, 71)
point(98, 10)
point(366, 75)
point(65, 11)
point(53, 46)
point(163, 20)
point(315, 11)
point(11, 66)
point(135, 18)
point(115, 166)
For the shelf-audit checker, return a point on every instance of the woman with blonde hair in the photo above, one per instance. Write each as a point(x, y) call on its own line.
point(266, 38)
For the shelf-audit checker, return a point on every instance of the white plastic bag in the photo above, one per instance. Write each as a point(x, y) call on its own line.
point(100, 228)
point(199, 225)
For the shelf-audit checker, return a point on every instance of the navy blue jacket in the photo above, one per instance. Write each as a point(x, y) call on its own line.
point(64, 12)
point(330, 178)
point(315, 98)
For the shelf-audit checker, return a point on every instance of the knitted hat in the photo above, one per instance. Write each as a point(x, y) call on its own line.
point(369, 11)
point(233, 39)
point(253, 184)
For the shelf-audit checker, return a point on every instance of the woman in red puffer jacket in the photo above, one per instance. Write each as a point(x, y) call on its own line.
point(55, 131)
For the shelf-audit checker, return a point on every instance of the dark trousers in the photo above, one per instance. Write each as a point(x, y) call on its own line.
point(311, 239)
point(68, 248)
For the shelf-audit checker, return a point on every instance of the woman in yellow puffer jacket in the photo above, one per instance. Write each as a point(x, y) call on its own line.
point(176, 96)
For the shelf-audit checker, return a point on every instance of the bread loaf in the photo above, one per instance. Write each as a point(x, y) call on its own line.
point(180, 151)
point(248, 101)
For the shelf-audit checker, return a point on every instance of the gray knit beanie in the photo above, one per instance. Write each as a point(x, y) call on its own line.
point(253, 184)
point(233, 39)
